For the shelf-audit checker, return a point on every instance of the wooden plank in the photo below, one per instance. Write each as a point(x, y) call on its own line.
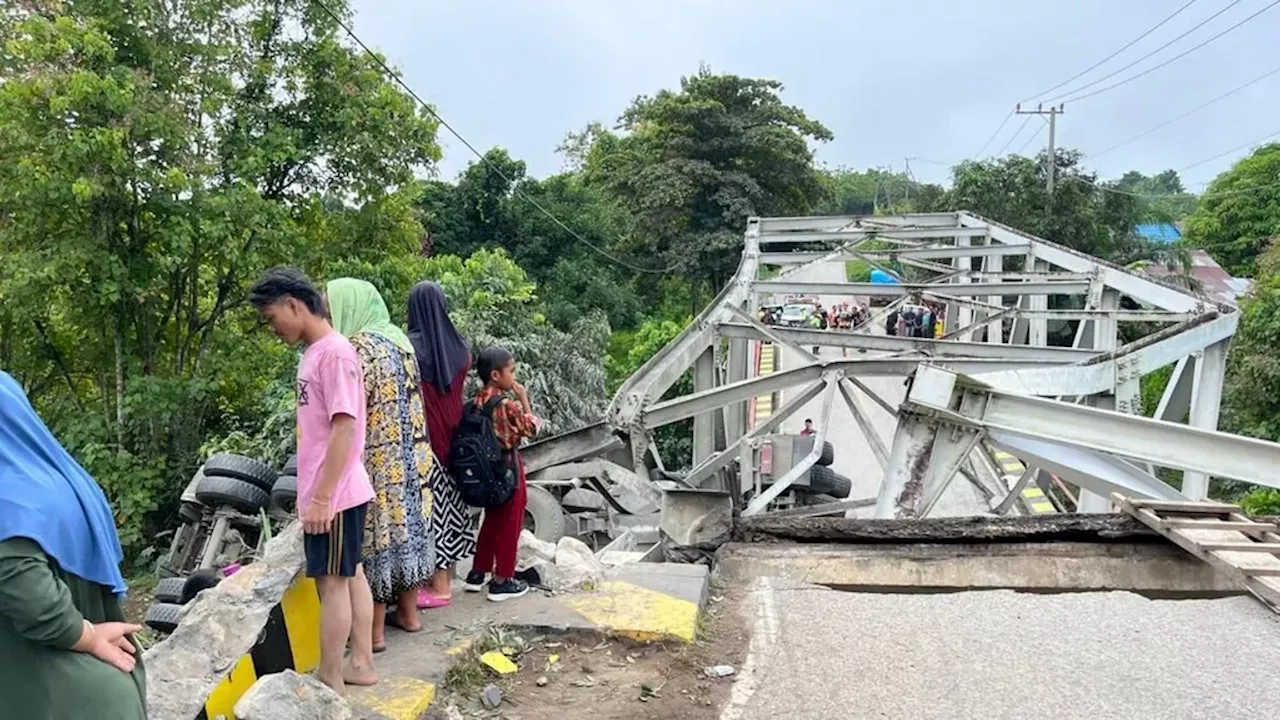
point(1184, 507)
point(1246, 546)
point(1229, 550)
point(1243, 526)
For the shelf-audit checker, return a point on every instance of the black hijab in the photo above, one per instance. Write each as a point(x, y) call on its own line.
point(442, 352)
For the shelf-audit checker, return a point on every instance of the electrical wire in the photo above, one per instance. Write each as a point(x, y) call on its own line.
point(488, 163)
point(1192, 111)
point(1128, 45)
point(994, 134)
point(1016, 133)
point(1184, 53)
point(1150, 196)
point(1228, 152)
point(1034, 135)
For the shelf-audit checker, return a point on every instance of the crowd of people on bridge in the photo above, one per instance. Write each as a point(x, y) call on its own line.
point(384, 432)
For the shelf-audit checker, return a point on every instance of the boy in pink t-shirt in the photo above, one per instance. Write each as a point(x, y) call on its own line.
point(333, 487)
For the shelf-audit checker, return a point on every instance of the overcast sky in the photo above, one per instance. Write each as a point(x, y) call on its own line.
point(892, 79)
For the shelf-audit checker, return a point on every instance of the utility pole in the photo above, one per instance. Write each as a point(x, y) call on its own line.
point(1053, 113)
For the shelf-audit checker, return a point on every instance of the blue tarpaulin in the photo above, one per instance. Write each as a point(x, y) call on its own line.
point(881, 277)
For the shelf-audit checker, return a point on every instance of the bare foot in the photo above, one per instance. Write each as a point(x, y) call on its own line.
point(408, 622)
point(334, 683)
point(359, 676)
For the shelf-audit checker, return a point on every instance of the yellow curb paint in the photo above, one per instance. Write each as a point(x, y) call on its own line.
point(1033, 492)
point(396, 698)
point(1043, 506)
point(637, 612)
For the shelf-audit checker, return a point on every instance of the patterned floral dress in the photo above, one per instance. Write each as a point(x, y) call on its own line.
point(399, 546)
point(452, 521)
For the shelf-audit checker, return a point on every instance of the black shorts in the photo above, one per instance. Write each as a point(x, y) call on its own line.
point(337, 552)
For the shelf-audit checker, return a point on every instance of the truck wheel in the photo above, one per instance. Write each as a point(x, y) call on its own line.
point(199, 580)
point(290, 466)
point(284, 495)
point(169, 590)
point(828, 455)
point(163, 617)
point(216, 491)
point(242, 468)
point(823, 480)
point(543, 516)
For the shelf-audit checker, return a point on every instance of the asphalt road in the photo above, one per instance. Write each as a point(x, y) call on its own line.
point(825, 654)
point(853, 456)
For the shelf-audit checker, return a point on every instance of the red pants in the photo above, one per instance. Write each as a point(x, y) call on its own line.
point(499, 539)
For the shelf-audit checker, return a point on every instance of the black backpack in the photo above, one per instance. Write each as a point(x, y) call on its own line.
point(482, 470)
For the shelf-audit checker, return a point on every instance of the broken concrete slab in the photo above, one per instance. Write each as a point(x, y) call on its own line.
point(1158, 569)
point(1041, 528)
point(290, 696)
point(217, 629)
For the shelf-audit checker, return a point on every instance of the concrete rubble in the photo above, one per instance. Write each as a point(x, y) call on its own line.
point(217, 628)
point(566, 565)
point(290, 696)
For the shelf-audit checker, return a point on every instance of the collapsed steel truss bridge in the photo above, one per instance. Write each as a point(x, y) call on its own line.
point(1067, 402)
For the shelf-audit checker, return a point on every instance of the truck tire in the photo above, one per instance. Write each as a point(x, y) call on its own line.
point(828, 455)
point(242, 468)
point(169, 590)
point(217, 491)
point(163, 617)
point(823, 480)
point(197, 581)
point(290, 466)
point(284, 494)
point(543, 516)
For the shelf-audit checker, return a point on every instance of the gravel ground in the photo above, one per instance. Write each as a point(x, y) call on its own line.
point(1001, 654)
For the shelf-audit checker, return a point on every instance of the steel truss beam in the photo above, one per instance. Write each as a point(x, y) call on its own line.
point(1103, 431)
point(785, 287)
point(875, 233)
point(801, 337)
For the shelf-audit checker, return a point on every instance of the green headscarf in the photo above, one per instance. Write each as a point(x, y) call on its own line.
point(356, 307)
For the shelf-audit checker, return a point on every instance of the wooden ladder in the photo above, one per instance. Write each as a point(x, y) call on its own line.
point(1219, 534)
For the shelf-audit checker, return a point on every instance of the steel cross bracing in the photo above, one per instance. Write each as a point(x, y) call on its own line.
point(991, 380)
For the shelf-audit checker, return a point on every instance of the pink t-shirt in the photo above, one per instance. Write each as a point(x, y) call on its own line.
point(331, 383)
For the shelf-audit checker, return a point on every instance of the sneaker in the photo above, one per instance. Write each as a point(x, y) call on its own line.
point(499, 591)
point(474, 581)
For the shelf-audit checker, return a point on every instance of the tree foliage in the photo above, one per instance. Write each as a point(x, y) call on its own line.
point(850, 192)
point(156, 157)
point(1163, 198)
point(1239, 215)
point(691, 166)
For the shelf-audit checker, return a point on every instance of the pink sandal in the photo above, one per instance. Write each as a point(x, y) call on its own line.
point(427, 600)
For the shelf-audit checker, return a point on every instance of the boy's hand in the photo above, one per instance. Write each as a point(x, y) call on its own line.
point(519, 390)
point(317, 517)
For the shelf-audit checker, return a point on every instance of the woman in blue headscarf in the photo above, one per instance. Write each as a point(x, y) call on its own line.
point(65, 651)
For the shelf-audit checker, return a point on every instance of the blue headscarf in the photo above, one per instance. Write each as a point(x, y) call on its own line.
point(47, 497)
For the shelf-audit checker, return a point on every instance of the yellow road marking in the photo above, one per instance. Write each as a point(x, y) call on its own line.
point(637, 612)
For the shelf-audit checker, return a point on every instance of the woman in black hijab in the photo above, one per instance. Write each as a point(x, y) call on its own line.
point(443, 362)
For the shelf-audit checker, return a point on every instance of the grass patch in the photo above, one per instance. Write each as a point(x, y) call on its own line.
point(469, 675)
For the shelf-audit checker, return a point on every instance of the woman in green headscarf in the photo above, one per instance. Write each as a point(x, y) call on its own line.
point(399, 549)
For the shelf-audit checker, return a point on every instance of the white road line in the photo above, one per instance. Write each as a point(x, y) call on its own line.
point(764, 636)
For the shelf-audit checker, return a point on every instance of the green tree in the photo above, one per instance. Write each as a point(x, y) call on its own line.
point(1081, 215)
point(1164, 199)
point(851, 192)
point(1239, 214)
point(628, 352)
point(158, 156)
point(691, 166)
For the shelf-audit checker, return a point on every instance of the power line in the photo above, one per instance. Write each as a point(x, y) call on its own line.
point(1151, 196)
point(1175, 57)
point(994, 134)
point(1034, 135)
point(488, 163)
point(1192, 111)
point(1016, 133)
point(1228, 152)
point(1128, 45)
point(1117, 71)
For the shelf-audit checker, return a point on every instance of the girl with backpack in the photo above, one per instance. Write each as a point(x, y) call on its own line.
point(444, 359)
point(509, 422)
